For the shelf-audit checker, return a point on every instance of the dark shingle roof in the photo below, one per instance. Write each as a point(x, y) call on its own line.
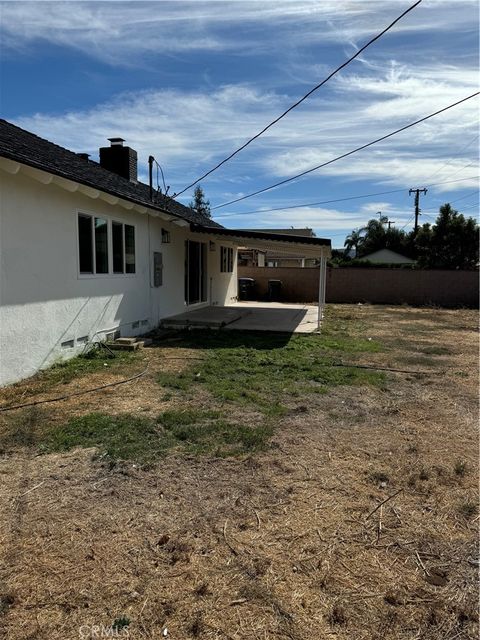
point(27, 148)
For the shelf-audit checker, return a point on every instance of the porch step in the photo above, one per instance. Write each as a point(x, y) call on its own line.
point(129, 344)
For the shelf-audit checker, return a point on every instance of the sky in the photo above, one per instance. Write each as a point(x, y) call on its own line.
point(189, 81)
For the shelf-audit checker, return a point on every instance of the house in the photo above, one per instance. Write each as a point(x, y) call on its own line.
point(253, 258)
point(87, 252)
point(387, 256)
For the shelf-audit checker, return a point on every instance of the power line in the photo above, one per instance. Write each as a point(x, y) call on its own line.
point(311, 204)
point(407, 223)
point(296, 104)
point(349, 153)
point(314, 204)
point(451, 159)
point(469, 195)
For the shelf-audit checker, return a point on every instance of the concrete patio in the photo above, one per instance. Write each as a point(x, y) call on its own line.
point(250, 316)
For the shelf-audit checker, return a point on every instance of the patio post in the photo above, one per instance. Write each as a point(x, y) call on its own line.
point(322, 273)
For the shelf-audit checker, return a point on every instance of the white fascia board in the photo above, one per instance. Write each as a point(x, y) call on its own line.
point(10, 166)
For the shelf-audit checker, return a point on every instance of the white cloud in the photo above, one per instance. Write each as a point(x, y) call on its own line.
point(188, 131)
point(125, 33)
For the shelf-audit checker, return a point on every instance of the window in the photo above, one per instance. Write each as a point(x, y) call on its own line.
point(85, 246)
point(123, 247)
point(94, 237)
point(165, 236)
point(129, 248)
point(117, 247)
point(226, 260)
point(92, 244)
point(101, 246)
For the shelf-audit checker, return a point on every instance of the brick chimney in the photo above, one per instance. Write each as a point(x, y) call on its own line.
point(119, 159)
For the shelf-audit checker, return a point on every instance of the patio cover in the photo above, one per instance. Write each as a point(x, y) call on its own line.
point(319, 248)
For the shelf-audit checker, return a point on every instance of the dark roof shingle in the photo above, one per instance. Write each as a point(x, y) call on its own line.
point(27, 148)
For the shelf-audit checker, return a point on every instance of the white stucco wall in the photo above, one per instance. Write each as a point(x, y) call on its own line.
point(45, 302)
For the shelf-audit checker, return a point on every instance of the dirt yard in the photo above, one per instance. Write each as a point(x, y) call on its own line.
point(353, 515)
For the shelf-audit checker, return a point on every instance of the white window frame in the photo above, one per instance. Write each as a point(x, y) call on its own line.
point(109, 219)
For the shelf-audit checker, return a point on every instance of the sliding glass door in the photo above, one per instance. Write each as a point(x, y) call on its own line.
point(195, 272)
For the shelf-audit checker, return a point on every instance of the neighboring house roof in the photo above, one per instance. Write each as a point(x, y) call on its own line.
point(263, 235)
point(389, 256)
point(28, 148)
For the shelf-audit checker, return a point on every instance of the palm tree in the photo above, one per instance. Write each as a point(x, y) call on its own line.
point(353, 240)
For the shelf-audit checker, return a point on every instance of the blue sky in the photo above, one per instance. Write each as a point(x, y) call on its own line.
point(190, 81)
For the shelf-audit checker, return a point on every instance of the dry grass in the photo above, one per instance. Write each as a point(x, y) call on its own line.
point(292, 542)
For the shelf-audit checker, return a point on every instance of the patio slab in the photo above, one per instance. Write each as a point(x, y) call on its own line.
point(208, 317)
point(250, 316)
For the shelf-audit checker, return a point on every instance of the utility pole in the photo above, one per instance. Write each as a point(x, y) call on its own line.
point(390, 222)
point(417, 193)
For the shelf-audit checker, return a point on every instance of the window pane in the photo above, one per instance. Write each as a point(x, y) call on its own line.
point(101, 246)
point(85, 244)
point(129, 249)
point(117, 245)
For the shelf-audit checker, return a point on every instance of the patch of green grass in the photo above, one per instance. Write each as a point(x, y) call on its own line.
point(144, 440)
point(65, 371)
point(265, 370)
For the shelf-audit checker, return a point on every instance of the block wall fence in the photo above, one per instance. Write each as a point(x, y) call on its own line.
point(376, 286)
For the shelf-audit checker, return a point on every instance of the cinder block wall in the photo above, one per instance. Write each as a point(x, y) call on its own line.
point(377, 286)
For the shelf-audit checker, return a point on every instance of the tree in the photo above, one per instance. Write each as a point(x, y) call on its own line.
point(374, 236)
point(353, 240)
point(199, 204)
point(451, 243)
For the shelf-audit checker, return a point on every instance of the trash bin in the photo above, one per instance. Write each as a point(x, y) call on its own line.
point(275, 290)
point(246, 289)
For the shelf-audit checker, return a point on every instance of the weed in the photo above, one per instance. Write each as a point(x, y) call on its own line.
point(424, 474)
point(337, 616)
point(378, 477)
point(460, 468)
point(468, 509)
point(197, 627)
point(120, 623)
point(6, 601)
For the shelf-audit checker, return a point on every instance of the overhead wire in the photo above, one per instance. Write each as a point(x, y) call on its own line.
point(313, 204)
point(446, 164)
point(302, 99)
point(469, 195)
point(163, 177)
point(349, 153)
